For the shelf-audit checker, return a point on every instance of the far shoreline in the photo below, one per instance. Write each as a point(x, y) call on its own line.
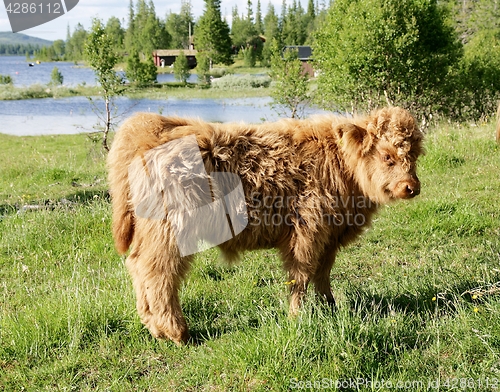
point(157, 91)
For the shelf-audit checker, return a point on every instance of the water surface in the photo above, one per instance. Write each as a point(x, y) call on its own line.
point(76, 114)
point(17, 67)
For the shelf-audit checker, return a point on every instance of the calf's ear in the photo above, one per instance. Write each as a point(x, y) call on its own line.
point(355, 139)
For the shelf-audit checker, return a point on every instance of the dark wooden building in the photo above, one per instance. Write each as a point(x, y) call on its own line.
point(166, 57)
point(305, 57)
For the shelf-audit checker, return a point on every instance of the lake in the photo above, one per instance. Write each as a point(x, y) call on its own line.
point(23, 75)
point(76, 114)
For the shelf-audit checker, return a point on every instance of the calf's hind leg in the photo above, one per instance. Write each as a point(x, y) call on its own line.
point(142, 303)
point(157, 275)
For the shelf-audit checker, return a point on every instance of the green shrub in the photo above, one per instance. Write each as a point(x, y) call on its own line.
point(249, 56)
point(477, 89)
point(385, 52)
point(139, 72)
point(290, 92)
point(181, 68)
point(218, 72)
point(203, 69)
point(56, 77)
point(231, 82)
point(5, 79)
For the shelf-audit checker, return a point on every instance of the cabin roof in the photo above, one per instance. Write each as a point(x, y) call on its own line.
point(174, 52)
point(304, 52)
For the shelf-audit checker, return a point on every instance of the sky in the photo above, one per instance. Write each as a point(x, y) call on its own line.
point(85, 10)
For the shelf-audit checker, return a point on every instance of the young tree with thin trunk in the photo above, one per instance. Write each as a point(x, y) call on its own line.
point(102, 58)
point(56, 77)
point(290, 93)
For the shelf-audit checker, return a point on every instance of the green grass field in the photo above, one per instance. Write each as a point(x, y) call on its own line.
point(418, 295)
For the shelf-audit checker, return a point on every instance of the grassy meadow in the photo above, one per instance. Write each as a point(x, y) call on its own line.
point(418, 295)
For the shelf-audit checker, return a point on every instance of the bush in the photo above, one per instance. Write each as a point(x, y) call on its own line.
point(56, 77)
point(290, 94)
point(181, 68)
point(233, 82)
point(379, 52)
point(478, 78)
point(203, 69)
point(5, 79)
point(141, 73)
point(218, 72)
point(9, 92)
point(249, 56)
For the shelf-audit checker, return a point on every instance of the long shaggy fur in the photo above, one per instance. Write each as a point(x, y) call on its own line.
point(310, 187)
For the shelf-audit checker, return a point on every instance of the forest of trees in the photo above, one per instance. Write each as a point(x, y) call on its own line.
point(145, 31)
point(18, 49)
point(431, 56)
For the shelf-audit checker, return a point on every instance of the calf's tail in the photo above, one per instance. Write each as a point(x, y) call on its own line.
point(136, 136)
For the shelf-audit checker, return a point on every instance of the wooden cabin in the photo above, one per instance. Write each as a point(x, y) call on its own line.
point(166, 57)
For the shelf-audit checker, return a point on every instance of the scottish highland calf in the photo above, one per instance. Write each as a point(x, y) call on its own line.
point(305, 187)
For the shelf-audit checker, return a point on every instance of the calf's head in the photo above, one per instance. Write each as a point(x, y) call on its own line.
point(382, 152)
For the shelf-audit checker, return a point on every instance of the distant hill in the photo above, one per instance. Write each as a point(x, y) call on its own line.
point(10, 38)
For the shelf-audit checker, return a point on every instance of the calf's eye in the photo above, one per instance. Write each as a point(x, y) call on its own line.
point(388, 159)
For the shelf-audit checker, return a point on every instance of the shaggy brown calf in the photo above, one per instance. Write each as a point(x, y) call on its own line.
point(305, 187)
